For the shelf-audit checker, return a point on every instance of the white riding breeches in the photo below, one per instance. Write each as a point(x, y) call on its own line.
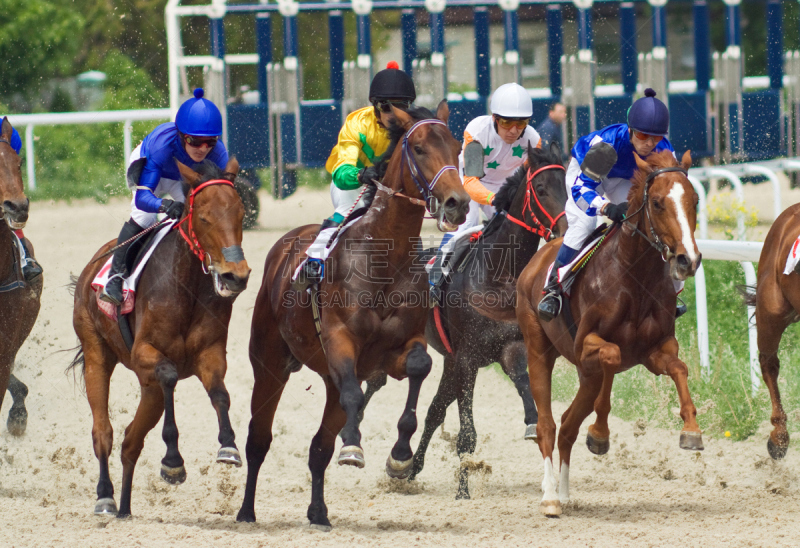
point(172, 187)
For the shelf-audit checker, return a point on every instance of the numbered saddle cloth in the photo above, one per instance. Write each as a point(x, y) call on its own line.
point(793, 258)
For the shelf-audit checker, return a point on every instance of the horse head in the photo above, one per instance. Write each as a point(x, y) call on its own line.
point(662, 189)
point(214, 224)
point(12, 195)
point(536, 193)
point(428, 160)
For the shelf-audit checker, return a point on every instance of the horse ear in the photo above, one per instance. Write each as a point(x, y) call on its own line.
point(403, 118)
point(189, 175)
point(232, 169)
point(6, 130)
point(686, 161)
point(555, 150)
point(528, 156)
point(443, 111)
point(641, 164)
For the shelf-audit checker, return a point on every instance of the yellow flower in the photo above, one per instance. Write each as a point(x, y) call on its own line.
point(727, 433)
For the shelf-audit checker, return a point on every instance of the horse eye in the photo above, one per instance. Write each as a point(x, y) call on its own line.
point(418, 149)
point(657, 204)
point(202, 219)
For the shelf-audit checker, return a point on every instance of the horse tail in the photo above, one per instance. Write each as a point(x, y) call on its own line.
point(72, 286)
point(78, 360)
point(748, 293)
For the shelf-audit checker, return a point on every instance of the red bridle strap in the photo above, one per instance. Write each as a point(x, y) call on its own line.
point(191, 237)
point(538, 228)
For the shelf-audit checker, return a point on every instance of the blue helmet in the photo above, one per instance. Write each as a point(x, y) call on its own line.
point(649, 115)
point(198, 116)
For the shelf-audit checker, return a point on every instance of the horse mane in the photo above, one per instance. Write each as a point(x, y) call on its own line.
point(396, 133)
point(208, 171)
point(665, 158)
point(536, 157)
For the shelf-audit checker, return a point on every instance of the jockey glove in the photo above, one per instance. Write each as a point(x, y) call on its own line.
point(173, 209)
point(616, 212)
point(366, 175)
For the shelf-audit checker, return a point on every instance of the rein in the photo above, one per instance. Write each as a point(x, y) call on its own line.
point(538, 228)
point(191, 237)
point(656, 242)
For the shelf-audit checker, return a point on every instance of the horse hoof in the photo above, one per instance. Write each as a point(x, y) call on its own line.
point(596, 446)
point(777, 452)
point(174, 476)
point(351, 455)
point(398, 469)
point(320, 527)
point(692, 441)
point(17, 421)
point(229, 455)
point(530, 432)
point(550, 508)
point(105, 507)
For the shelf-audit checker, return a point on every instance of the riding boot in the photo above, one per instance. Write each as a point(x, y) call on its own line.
point(312, 270)
point(436, 278)
point(550, 305)
point(31, 269)
point(112, 292)
point(681, 309)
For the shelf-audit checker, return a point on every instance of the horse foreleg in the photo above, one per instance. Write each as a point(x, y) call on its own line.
point(172, 469)
point(267, 390)
point(514, 362)
point(665, 360)
point(17, 415)
point(373, 385)
point(467, 436)
point(341, 364)
point(147, 414)
point(320, 454)
point(598, 353)
point(417, 365)
point(211, 371)
point(445, 395)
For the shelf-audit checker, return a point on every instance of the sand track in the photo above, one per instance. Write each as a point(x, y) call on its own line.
point(645, 492)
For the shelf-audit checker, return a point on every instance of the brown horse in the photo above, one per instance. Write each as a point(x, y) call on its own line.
point(623, 305)
point(777, 301)
point(19, 301)
point(372, 309)
point(180, 322)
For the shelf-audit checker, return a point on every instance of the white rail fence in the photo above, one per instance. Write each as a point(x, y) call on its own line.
point(742, 251)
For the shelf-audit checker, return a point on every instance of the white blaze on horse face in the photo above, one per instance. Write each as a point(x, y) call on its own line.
point(549, 482)
point(563, 484)
point(676, 195)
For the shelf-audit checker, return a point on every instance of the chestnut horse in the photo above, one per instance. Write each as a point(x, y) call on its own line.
point(372, 309)
point(478, 333)
point(180, 322)
point(623, 306)
point(777, 301)
point(19, 301)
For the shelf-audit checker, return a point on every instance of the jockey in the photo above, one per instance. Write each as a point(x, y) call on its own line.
point(191, 139)
point(362, 141)
point(31, 269)
point(494, 147)
point(598, 181)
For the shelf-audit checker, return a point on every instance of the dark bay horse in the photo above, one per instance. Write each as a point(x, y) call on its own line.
point(623, 306)
point(19, 301)
point(777, 301)
point(372, 309)
point(478, 315)
point(180, 321)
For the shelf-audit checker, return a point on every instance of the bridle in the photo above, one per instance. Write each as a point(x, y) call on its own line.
point(655, 242)
point(191, 237)
point(538, 228)
point(425, 188)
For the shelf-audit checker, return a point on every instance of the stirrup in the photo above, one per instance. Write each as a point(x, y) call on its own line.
point(108, 297)
point(550, 305)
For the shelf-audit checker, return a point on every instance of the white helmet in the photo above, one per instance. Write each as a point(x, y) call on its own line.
point(511, 101)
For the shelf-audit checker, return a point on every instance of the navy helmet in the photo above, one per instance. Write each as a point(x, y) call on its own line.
point(392, 83)
point(649, 115)
point(200, 117)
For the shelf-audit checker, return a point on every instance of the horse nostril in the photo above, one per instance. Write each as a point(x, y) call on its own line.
point(10, 206)
point(683, 261)
point(451, 204)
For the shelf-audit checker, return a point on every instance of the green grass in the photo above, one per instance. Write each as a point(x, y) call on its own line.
point(723, 397)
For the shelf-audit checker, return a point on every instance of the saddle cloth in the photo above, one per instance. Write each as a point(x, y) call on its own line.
point(793, 258)
point(129, 286)
point(320, 248)
point(565, 273)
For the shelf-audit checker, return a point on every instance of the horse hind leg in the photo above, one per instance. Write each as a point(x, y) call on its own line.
point(768, 343)
point(467, 435)
point(18, 414)
point(514, 362)
point(418, 365)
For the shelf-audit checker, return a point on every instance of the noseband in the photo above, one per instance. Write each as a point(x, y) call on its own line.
point(191, 237)
point(538, 228)
point(656, 242)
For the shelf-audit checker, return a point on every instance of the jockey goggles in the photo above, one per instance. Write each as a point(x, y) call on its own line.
point(386, 106)
point(645, 136)
point(197, 142)
point(506, 123)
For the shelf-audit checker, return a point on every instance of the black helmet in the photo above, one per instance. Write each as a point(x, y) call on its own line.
point(392, 83)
